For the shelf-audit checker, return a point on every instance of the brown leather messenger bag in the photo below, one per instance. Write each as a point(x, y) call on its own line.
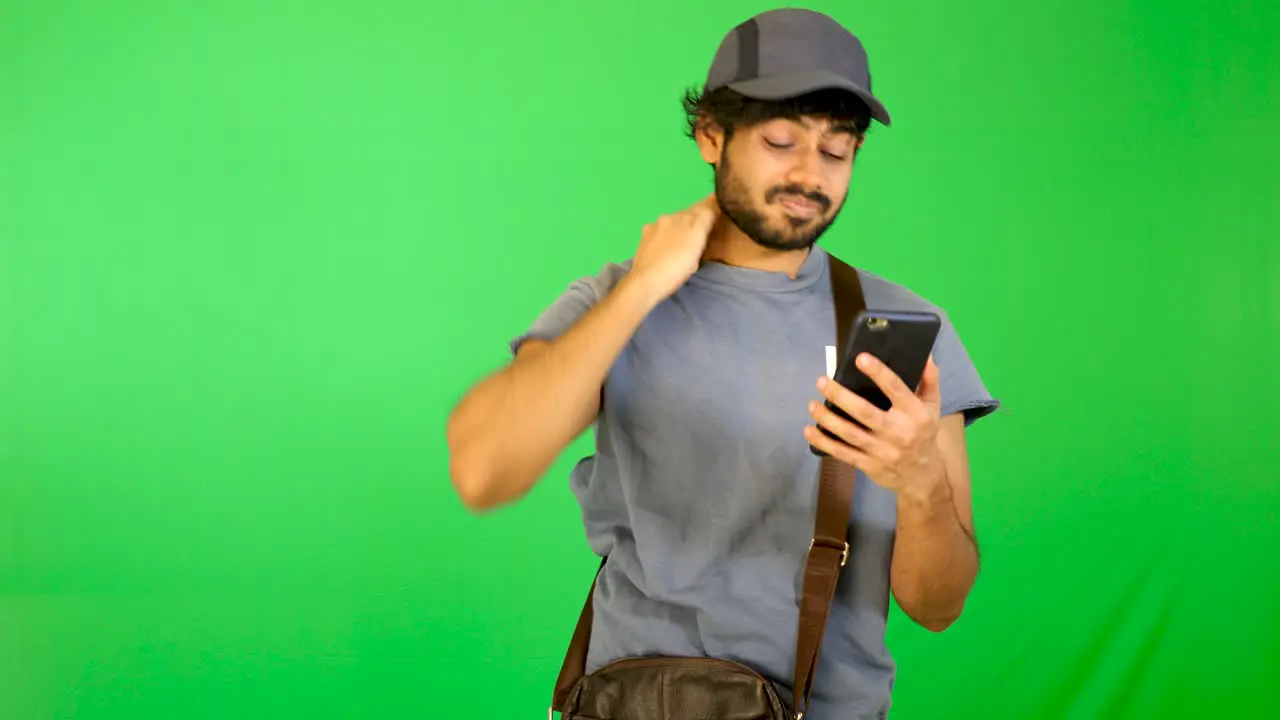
point(689, 688)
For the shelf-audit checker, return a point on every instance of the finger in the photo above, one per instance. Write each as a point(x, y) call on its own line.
point(836, 449)
point(706, 211)
point(864, 412)
point(930, 392)
point(847, 431)
point(888, 381)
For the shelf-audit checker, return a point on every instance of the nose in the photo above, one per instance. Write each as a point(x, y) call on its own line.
point(805, 170)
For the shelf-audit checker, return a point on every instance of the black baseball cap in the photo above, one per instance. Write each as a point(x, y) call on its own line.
point(783, 53)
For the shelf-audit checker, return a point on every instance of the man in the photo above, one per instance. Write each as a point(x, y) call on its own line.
point(702, 361)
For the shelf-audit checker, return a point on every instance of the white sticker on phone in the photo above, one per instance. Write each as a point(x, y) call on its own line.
point(831, 361)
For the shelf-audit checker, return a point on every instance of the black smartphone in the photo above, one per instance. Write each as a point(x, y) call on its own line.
point(902, 340)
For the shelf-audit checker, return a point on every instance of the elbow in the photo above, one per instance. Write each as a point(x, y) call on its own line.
point(940, 620)
point(934, 619)
point(470, 477)
point(938, 624)
point(471, 485)
point(478, 483)
point(476, 488)
point(484, 470)
point(479, 487)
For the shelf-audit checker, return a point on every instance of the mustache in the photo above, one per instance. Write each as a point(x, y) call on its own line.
point(811, 195)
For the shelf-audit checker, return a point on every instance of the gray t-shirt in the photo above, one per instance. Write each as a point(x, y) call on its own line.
point(702, 488)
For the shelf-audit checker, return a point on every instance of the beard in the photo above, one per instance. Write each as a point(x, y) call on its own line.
point(795, 234)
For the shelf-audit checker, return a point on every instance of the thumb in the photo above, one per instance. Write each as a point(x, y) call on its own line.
point(706, 211)
point(930, 392)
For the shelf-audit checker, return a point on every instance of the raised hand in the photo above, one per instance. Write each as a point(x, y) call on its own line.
point(671, 247)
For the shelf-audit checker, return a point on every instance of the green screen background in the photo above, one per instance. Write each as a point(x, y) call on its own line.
point(251, 254)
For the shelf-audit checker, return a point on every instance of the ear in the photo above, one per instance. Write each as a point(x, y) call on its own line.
point(710, 139)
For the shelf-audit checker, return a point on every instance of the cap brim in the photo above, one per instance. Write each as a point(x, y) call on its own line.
point(781, 87)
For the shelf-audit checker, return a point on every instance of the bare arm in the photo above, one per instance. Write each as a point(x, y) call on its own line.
point(511, 426)
point(922, 458)
point(935, 555)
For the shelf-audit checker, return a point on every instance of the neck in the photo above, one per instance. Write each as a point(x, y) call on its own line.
point(727, 244)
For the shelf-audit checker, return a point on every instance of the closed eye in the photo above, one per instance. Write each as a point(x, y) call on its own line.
point(838, 157)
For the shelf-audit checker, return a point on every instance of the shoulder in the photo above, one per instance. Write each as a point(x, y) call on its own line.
point(582, 294)
point(600, 283)
point(963, 388)
point(883, 293)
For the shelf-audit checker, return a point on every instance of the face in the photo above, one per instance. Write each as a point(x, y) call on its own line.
point(782, 182)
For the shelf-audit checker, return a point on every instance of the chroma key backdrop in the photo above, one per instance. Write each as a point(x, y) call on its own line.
point(252, 253)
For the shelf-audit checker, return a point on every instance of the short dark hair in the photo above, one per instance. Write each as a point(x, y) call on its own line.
point(729, 109)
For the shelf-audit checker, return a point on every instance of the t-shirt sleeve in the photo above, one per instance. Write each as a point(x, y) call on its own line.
point(581, 295)
point(962, 387)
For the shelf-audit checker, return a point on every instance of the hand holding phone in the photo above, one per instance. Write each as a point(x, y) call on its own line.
point(859, 405)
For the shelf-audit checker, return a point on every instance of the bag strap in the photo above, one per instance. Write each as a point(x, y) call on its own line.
point(575, 660)
point(828, 551)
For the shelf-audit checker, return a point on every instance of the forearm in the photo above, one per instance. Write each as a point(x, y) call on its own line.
point(935, 560)
point(510, 428)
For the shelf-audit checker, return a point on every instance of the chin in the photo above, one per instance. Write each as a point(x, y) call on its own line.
point(799, 236)
point(786, 243)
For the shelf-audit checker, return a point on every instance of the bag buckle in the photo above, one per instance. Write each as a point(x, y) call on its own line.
point(842, 546)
